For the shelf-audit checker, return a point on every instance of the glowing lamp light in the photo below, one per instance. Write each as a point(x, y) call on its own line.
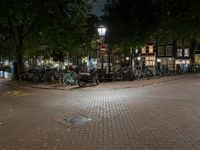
point(138, 58)
point(102, 30)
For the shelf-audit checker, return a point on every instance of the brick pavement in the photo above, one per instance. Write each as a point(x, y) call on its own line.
point(158, 114)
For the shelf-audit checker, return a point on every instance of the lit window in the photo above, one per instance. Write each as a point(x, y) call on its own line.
point(188, 62)
point(151, 49)
point(197, 59)
point(186, 52)
point(144, 50)
point(183, 61)
point(150, 61)
point(179, 52)
point(178, 62)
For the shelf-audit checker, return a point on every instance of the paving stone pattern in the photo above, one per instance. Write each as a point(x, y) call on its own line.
point(159, 114)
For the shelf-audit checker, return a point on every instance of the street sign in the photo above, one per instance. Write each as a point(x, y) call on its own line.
point(103, 48)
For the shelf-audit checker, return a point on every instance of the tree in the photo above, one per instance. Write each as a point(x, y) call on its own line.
point(57, 20)
point(5, 44)
point(178, 19)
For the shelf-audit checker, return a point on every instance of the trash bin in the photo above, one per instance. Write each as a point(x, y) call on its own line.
point(13, 70)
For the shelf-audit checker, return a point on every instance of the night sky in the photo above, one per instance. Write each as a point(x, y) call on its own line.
point(98, 7)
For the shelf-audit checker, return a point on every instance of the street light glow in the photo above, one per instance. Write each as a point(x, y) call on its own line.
point(102, 30)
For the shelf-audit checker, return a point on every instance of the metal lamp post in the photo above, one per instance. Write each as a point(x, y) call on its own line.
point(102, 32)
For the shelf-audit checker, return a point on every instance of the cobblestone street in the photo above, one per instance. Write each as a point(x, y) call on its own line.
point(157, 114)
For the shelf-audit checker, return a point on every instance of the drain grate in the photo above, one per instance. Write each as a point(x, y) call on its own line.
point(78, 120)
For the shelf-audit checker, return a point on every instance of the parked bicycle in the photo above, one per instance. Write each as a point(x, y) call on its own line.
point(86, 78)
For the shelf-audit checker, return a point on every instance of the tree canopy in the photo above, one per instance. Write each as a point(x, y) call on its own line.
point(59, 24)
point(137, 21)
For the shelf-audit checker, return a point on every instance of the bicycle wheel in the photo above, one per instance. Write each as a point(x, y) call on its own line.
point(97, 81)
point(61, 80)
point(67, 79)
point(81, 83)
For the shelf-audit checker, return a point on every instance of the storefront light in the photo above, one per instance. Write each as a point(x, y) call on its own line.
point(158, 60)
point(127, 58)
point(94, 63)
point(6, 63)
point(85, 60)
point(187, 62)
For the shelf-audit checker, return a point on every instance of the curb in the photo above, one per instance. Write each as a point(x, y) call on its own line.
point(8, 82)
point(29, 86)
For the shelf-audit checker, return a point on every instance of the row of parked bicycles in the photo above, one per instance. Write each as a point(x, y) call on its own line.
point(80, 77)
point(54, 75)
point(147, 73)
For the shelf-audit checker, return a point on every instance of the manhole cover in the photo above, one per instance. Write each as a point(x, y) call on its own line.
point(78, 120)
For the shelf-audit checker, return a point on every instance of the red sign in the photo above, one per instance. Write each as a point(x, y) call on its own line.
point(103, 48)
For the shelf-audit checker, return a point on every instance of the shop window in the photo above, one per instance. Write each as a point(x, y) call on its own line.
point(183, 61)
point(167, 62)
point(197, 59)
point(178, 62)
point(186, 52)
point(151, 49)
point(169, 50)
point(179, 52)
point(187, 62)
point(161, 51)
point(143, 50)
point(150, 61)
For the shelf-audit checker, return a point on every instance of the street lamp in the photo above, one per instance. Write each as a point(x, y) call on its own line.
point(102, 32)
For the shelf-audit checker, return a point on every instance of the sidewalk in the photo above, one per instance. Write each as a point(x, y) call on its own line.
point(101, 86)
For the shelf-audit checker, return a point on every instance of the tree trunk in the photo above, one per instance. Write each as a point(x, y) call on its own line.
point(1, 56)
point(1, 53)
point(131, 60)
point(19, 58)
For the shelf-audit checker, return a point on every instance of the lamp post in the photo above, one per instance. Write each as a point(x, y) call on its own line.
point(102, 32)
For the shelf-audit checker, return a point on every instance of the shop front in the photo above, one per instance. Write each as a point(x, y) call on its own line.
point(197, 59)
point(183, 65)
point(165, 63)
point(197, 62)
point(150, 62)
